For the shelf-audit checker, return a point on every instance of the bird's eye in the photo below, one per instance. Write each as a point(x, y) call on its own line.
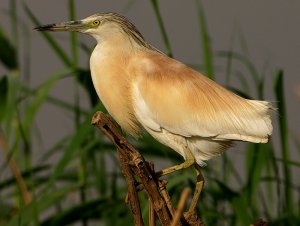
point(96, 22)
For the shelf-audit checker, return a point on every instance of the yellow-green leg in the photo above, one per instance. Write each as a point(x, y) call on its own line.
point(198, 188)
point(186, 164)
point(190, 161)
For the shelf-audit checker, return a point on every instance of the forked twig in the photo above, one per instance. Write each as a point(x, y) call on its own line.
point(132, 193)
point(26, 195)
point(133, 165)
point(130, 156)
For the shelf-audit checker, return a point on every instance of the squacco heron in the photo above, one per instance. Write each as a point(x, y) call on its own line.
point(143, 89)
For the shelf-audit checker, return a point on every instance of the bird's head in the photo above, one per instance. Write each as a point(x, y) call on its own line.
point(101, 26)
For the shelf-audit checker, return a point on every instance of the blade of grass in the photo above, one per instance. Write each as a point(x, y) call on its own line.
point(26, 54)
point(255, 163)
point(205, 40)
point(76, 143)
point(90, 210)
point(85, 79)
point(229, 58)
point(53, 100)
point(26, 215)
point(8, 54)
point(241, 210)
point(283, 129)
point(291, 162)
point(22, 186)
point(25, 174)
point(231, 170)
point(3, 96)
point(101, 177)
point(73, 35)
point(243, 41)
point(70, 151)
point(14, 21)
point(59, 145)
point(39, 100)
point(82, 171)
point(13, 83)
point(245, 61)
point(244, 83)
point(239, 92)
point(270, 171)
point(162, 27)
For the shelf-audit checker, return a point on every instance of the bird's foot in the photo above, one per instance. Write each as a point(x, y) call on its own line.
point(186, 164)
point(199, 183)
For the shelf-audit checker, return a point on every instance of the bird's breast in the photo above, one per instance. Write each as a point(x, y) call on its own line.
point(112, 85)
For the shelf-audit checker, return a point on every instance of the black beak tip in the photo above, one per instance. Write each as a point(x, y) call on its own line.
point(46, 27)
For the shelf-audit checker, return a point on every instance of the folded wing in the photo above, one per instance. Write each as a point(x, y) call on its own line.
point(168, 94)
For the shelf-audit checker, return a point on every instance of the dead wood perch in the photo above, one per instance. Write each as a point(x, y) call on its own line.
point(129, 156)
point(133, 165)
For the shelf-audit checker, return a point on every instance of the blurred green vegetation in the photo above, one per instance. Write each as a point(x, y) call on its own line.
point(81, 187)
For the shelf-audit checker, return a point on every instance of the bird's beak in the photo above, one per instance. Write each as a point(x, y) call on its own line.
point(65, 26)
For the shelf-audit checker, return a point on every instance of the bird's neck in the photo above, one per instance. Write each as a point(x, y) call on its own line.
point(117, 43)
